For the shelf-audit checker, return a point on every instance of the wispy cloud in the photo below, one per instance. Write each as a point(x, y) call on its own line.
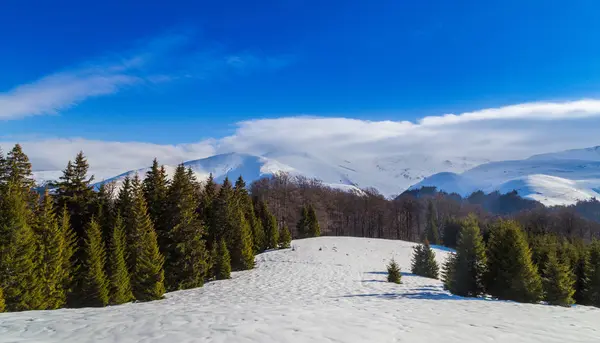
point(162, 59)
point(514, 136)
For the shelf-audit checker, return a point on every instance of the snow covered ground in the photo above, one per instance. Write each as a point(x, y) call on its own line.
point(330, 289)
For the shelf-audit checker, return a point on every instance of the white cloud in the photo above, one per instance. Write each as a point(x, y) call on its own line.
point(162, 59)
point(519, 134)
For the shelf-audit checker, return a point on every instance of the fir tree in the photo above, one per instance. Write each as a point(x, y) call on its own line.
point(147, 273)
point(314, 229)
point(207, 208)
point(220, 225)
point(69, 266)
point(186, 263)
point(581, 271)
point(18, 169)
point(18, 256)
point(464, 271)
point(245, 202)
point(592, 296)
point(120, 283)
point(511, 275)
point(156, 187)
point(431, 230)
point(285, 238)
point(394, 274)
point(222, 265)
point(423, 261)
point(2, 303)
point(302, 225)
point(104, 210)
point(240, 247)
point(94, 290)
point(269, 225)
point(558, 282)
point(52, 243)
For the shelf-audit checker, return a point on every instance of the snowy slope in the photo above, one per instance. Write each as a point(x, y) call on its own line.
point(553, 179)
point(389, 175)
point(330, 289)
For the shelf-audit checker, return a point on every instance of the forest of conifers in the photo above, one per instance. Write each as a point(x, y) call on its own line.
point(76, 243)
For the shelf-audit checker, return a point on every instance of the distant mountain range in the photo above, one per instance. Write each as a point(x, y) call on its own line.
point(553, 179)
point(559, 178)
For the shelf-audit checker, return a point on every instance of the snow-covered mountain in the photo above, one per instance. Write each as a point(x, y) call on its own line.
point(390, 175)
point(553, 179)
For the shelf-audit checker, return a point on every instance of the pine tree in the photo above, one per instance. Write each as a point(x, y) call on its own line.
point(393, 270)
point(240, 247)
point(423, 261)
point(2, 303)
point(222, 265)
point(285, 238)
point(75, 191)
point(592, 296)
point(120, 283)
point(18, 255)
point(155, 187)
point(558, 282)
point(464, 271)
point(186, 263)
point(52, 244)
point(94, 282)
point(147, 275)
point(431, 230)
point(511, 275)
point(302, 225)
point(314, 229)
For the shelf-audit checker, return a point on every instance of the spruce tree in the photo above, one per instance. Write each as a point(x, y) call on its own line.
point(511, 275)
point(464, 271)
point(222, 264)
point(220, 225)
point(393, 270)
point(155, 187)
point(285, 238)
point(70, 266)
point(147, 275)
point(2, 303)
point(558, 282)
point(452, 228)
point(187, 260)
point(18, 170)
point(240, 244)
point(302, 225)
point(581, 272)
point(431, 229)
point(269, 225)
point(19, 257)
point(120, 283)
point(314, 229)
point(3, 169)
point(592, 296)
point(245, 202)
point(94, 291)
point(208, 207)
point(52, 243)
point(423, 261)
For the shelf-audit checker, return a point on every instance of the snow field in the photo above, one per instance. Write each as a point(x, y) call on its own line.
point(328, 289)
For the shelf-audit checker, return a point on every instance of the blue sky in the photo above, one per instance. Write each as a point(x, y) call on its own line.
point(187, 71)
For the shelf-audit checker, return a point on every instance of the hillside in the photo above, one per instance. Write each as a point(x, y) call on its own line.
point(329, 289)
point(553, 179)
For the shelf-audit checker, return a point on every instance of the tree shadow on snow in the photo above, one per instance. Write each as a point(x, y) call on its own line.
point(427, 295)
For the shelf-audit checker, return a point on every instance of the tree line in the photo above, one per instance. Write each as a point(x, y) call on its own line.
point(71, 245)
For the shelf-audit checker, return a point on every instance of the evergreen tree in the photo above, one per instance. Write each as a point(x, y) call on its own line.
point(3, 169)
point(69, 266)
point(245, 202)
point(147, 275)
point(269, 225)
point(186, 263)
point(104, 210)
point(220, 225)
point(464, 271)
point(207, 209)
point(431, 230)
point(558, 282)
point(222, 265)
point(94, 290)
point(2, 303)
point(511, 275)
point(302, 225)
point(76, 193)
point(240, 246)
point(423, 261)
point(452, 228)
point(18, 256)
point(593, 275)
point(394, 274)
point(155, 187)
point(120, 283)
point(581, 271)
point(18, 170)
point(314, 229)
point(52, 243)
point(285, 238)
